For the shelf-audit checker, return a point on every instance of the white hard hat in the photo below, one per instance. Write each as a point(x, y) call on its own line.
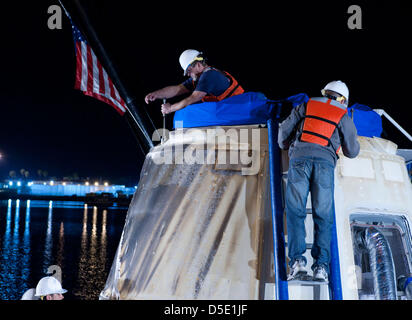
point(49, 285)
point(338, 87)
point(29, 295)
point(188, 57)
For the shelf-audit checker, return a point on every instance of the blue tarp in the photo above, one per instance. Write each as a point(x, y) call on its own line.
point(298, 99)
point(243, 109)
point(255, 108)
point(368, 123)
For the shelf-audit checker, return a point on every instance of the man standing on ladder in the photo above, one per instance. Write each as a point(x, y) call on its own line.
point(206, 84)
point(314, 133)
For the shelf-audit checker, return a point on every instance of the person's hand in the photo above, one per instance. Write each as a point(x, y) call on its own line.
point(166, 108)
point(150, 97)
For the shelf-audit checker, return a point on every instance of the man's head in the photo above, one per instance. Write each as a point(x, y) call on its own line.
point(193, 63)
point(49, 288)
point(336, 90)
point(54, 296)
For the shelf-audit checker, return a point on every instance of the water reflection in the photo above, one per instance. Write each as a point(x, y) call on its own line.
point(25, 263)
point(60, 253)
point(92, 260)
point(47, 258)
point(83, 255)
point(103, 239)
point(5, 272)
point(75, 240)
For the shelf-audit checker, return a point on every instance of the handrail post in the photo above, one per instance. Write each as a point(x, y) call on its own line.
point(281, 285)
point(335, 283)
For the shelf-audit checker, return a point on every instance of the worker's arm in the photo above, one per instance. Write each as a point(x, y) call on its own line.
point(196, 96)
point(287, 129)
point(166, 93)
point(348, 137)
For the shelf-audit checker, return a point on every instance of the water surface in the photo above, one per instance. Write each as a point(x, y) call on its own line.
point(75, 241)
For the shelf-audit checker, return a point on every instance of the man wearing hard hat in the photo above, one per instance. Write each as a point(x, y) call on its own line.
point(314, 132)
point(205, 84)
point(49, 288)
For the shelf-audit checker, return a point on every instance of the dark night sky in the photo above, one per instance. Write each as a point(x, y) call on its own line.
point(280, 50)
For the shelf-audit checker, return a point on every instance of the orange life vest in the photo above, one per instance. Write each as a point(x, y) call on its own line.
point(321, 119)
point(233, 90)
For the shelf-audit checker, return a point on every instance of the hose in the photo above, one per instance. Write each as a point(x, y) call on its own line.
point(381, 263)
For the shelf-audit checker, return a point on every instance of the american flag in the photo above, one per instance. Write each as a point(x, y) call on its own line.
point(91, 78)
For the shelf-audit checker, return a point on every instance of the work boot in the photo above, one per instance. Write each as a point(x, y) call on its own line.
point(320, 274)
point(297, 271)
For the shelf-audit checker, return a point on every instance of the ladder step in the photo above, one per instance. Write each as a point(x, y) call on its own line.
point(308, 282)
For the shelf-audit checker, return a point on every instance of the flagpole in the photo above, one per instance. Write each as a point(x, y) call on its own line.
point(135, 118)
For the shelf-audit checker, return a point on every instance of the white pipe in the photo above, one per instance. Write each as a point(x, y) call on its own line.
point(382, 112)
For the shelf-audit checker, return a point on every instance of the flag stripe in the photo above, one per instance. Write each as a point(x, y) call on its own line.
point(78, 66)
point(83, 86)
point(101, 80)
point(112, 95)
point(117, 104)
point(95, 73)
point(106, 83)
point(116, 94)
point(89, 70)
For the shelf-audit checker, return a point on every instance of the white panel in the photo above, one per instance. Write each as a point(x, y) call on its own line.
point(392, 171)
point(358, 167)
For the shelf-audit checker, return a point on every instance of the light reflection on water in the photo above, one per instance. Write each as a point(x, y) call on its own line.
point(80, 240)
